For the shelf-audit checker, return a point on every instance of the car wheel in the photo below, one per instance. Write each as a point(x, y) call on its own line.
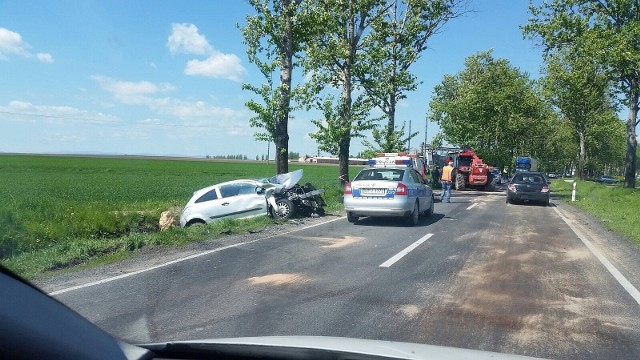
point(284, 210)
point(351, 218)
point(430, 211)
point(195, 222)
point(460, 183)
point(414, 217)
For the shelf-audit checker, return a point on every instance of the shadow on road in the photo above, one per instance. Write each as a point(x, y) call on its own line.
point(377, 221)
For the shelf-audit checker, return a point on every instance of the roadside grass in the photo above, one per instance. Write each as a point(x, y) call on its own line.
point(80, 253)
point(617, 207)
point(67, 212)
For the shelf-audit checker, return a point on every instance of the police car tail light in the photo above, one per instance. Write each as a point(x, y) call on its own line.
point(401, 189)
point(347, 189)
point(511, 187)
point(545, 188)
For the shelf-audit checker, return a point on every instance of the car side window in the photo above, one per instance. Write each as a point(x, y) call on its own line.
point(416, 177)
point(229, 190)
point(246, 189)
point(210, 195)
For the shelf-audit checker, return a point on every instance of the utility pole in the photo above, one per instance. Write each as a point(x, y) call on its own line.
point(409, 139)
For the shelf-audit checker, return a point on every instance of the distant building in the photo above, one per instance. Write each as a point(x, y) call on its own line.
point(335, 160)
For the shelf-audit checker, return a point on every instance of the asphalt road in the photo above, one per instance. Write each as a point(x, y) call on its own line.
point(479, 274)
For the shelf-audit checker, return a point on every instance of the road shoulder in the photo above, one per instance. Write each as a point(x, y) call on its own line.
point(155, 256)
point(618, 249)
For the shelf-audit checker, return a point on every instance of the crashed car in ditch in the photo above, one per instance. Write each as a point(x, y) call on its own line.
point(279, 196)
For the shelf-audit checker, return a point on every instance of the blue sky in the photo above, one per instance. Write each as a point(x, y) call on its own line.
point(164, 77)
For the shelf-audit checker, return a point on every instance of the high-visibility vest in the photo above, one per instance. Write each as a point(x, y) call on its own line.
point(446, 173)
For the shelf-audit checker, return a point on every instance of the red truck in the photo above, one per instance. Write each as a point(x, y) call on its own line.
point(469, 171)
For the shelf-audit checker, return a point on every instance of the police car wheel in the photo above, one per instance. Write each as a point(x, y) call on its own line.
point(430, 211)
point(351, 218)
point(414, 217)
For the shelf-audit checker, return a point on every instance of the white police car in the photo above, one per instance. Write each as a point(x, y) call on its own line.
point(390, 186)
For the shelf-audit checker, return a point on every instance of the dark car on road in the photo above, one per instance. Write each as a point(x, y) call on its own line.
point(604, 179)
point(528, 187)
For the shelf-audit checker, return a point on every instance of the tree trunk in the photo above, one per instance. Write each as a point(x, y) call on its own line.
point(284, 94)
point(632, 143)
point(345, 139)
point(344, 160)
point(582, 155)
point(345, 104)
point(391, 116)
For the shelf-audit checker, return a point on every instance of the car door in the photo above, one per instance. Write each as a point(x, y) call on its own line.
point(421, 189)
point(240, 199)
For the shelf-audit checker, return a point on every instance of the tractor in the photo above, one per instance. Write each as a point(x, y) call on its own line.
point(469, 171)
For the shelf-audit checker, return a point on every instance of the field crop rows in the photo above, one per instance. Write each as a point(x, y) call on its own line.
point(50, 202)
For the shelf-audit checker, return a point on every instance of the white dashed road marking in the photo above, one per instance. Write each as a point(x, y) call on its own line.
point(404, 252)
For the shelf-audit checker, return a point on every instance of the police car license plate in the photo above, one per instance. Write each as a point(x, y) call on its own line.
point(374, 191)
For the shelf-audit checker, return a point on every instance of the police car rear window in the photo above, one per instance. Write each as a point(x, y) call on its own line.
point(380, 174)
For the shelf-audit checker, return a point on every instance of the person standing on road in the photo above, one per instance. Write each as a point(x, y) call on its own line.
point(446, 182)
point(435, 176)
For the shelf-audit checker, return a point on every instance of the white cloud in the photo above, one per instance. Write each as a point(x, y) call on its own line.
point(45, 57)
point(193, 114)
point(11, 43)
point(185, 39)
point(23, 111)
point(130, 92)
point(219, 66)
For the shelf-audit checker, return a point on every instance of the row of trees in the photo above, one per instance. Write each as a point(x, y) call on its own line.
point(354, 55)
point(227, 157)
point(500, 112)
point(593, 41)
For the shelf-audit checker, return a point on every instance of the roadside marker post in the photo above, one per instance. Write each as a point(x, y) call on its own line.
point(573, 192)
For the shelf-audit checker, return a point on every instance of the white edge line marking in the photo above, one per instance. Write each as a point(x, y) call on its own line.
point(635, 294)
point(472, 206)
point(103, 281)
point(404, 252)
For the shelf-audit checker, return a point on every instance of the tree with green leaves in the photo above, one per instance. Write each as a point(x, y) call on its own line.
point(385, 142)
point(580, 90)
point(273, 37)
point(494, 108)
point(606, 146)
point(334, 58)
point(397, 41)
point(606, 31)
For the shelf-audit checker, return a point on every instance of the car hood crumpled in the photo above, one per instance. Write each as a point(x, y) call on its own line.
point(286, 181)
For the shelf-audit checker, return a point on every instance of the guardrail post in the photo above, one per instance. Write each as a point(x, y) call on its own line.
point(573, 192)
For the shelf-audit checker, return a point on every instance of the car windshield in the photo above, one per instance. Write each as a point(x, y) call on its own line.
point(402, 149)
point(380, 174)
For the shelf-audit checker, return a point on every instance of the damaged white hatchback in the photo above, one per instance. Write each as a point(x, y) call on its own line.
point(232, 199)
point(279, 196)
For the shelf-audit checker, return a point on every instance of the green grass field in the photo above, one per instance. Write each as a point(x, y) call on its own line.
point(61, 211)
point(617, 207)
